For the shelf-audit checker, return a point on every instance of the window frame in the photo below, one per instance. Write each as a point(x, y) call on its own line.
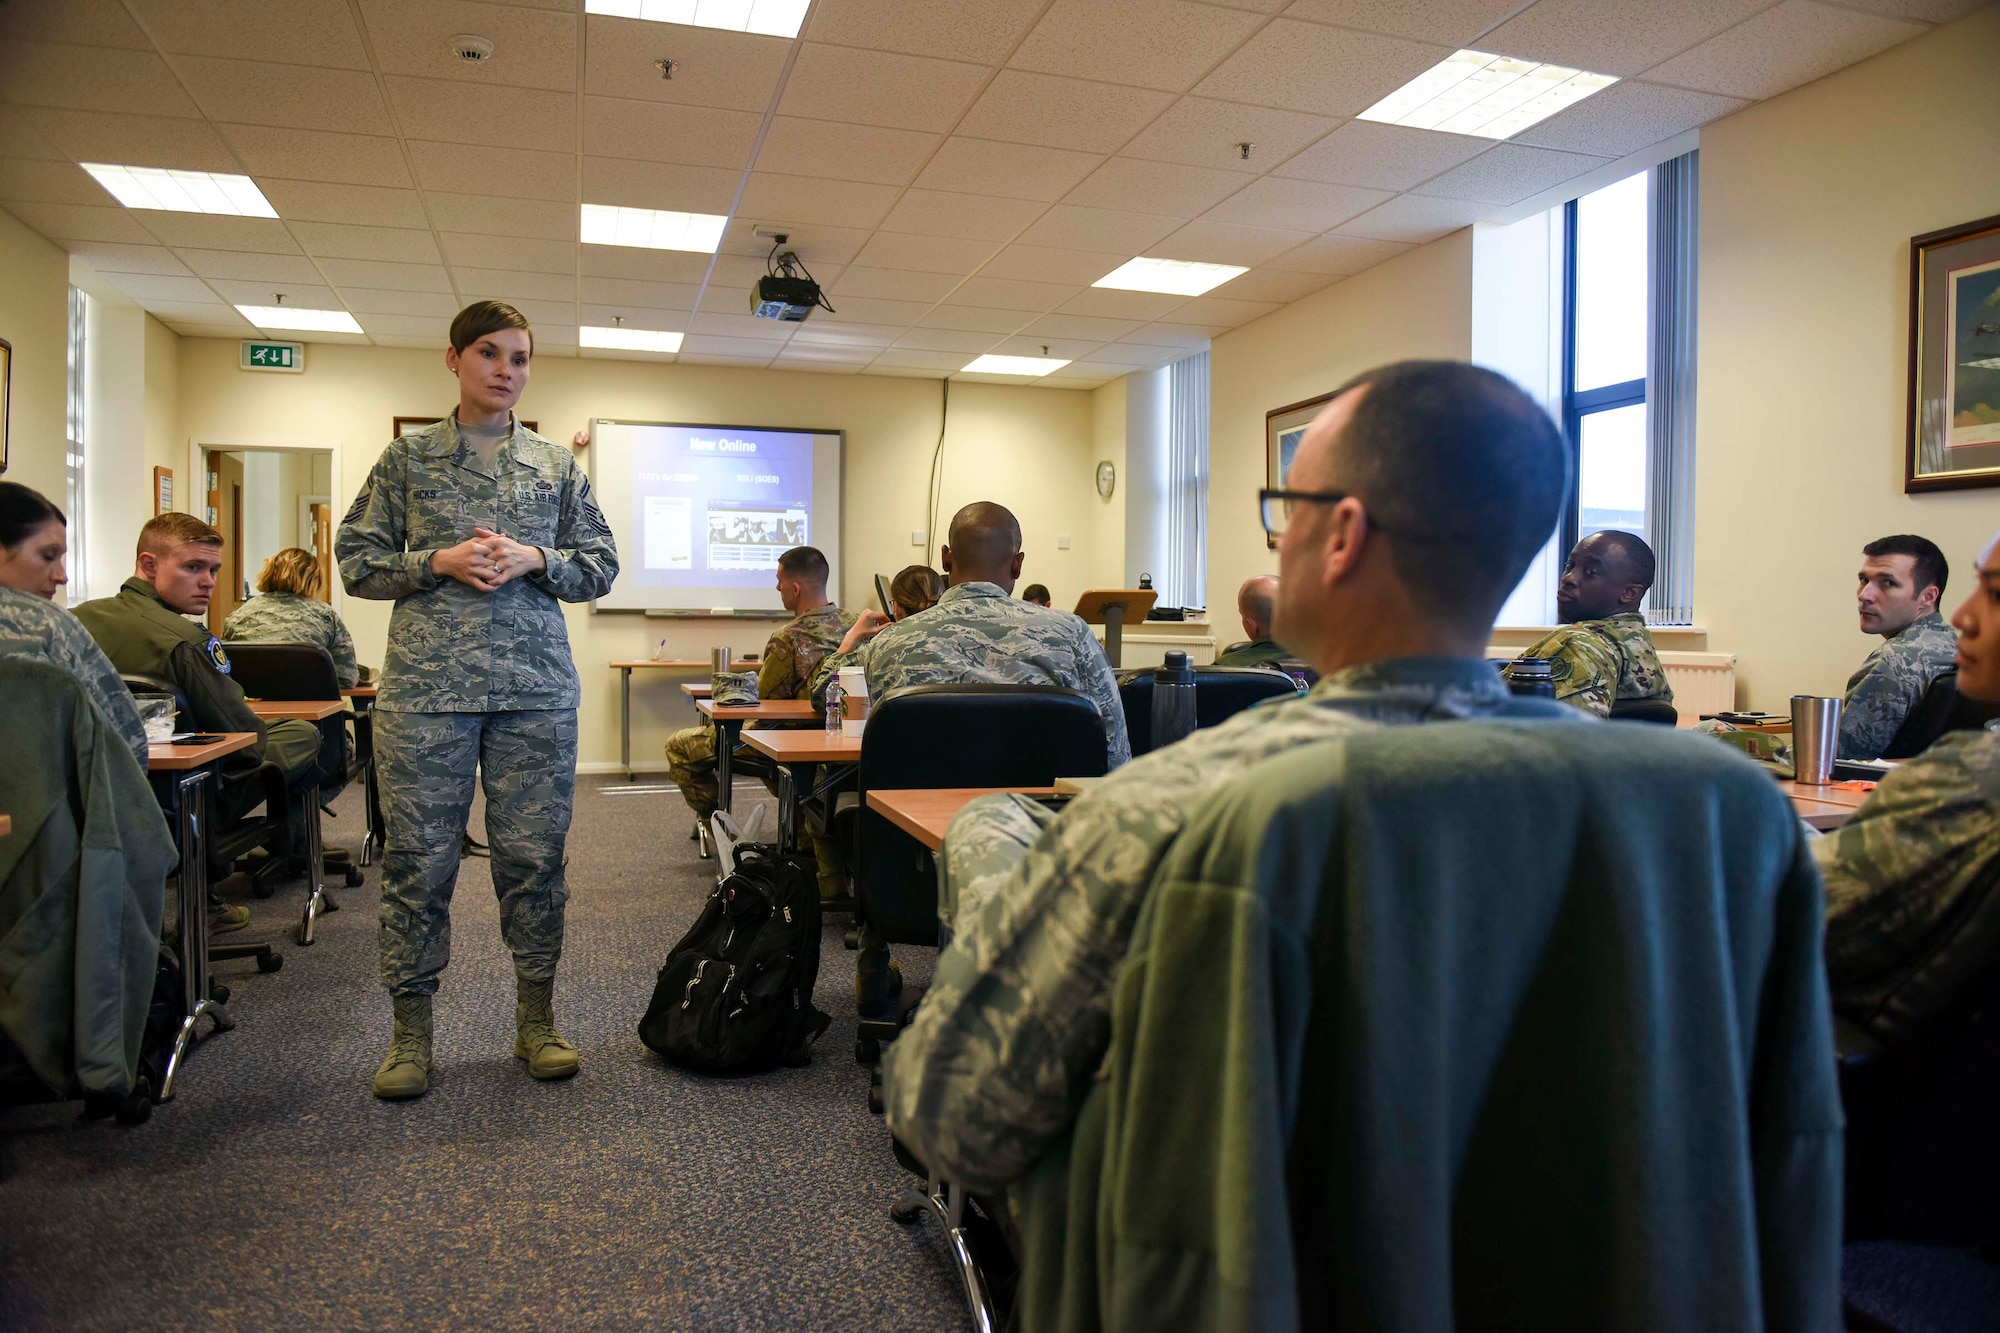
point(1578, 404)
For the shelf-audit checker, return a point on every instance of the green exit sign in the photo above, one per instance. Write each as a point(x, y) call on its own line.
point(274, 356)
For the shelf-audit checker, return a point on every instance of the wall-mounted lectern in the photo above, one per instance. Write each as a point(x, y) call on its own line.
point(1111, 608)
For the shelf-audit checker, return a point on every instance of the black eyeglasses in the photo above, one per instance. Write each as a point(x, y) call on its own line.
point(1276, 507)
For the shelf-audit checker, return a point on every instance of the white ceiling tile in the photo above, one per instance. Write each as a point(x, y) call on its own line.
point(735, 71)
point(250, 266)
point(1066, 227)
point(1043, 264)
point(645, 295)
point(1114, 303)
point(890, 284)
point(1384, 157)
point(1100, 368)
point(668, 185)
point(1083, 328)
point(1626, 117)
point(1011, 294)
point(427, 330)
point(846, 335)
point(774, 198)
point(979, 30)
point(1011, 170)
point(316, 155)
point(560, 314)
point(734, 320)
point(385, 276)
point(1929, 11)
point(1222, 310)
point(507, 253)
point(1173, 189)
point(1145, 355)
point(972, 217)
point(300, 32)
point(742, 270)
point(409, 343)
point(870, 310)
point(108, 258)
point(641, 265)
point(1415, 218)
point(911, 358)
point(488, 215)
point(1209, 242)
point(532, 48)
point(39, 182)
point(1452, 22)
point(844, 152)
point(1326, 71)
point(924, 254)
point(292, 97)
point(91, 78)
point(77, 222)
point(144, 287)
point(20, 138)
point(307, 296)
point(1203, 132)
point(1191, 337)
point(879, 88)
point(339, 240)
point(1781, 48)
point(1510, 173)
point(1062, 379)
point(367, 205)
point(1294, 205)
point(83, 22)
point(1056, 112)
point(435, 109)
point(964, 342)
point(812, 365)
point(700, 136)
point(1269, 284)
point(519, 172)
point(523, 283)
point(1033, 344)
point(815, 243)
point(431, 305)
point(1159, 43)
point(1337, 256)
point(975, 319)
point(636, 317)
point(1614, 36)
point(708, 346)
point(147, 141)
point(215, 314)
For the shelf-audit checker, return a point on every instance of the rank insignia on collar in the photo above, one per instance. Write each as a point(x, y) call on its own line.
point(217, 658)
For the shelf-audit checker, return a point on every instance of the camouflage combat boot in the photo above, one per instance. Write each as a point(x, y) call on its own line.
point(535, 1036)
point(406, 1069)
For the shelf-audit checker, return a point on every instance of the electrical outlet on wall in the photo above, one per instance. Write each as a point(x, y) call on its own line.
point(1062, 542)
point(920, 538)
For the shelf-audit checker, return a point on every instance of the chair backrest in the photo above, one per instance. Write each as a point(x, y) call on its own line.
point(283, 670)
point(957, 736)
point(1220, 693)
point(1646, 710)
point(1942, 709)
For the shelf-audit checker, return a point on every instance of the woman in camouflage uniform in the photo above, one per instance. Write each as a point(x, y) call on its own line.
point(478, 529)
point(288, 609)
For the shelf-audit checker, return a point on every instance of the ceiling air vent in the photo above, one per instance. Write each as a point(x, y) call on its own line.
point(471, 48)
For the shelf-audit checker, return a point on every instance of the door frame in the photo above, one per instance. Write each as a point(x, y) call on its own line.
point(198, 443)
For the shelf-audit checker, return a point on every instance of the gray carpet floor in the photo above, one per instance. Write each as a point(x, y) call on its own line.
point(275, 1191)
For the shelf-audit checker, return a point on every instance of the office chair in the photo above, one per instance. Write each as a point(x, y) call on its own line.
point(1942, 709)
point(952, 736)
point(1646, 710)
point(1220, 693)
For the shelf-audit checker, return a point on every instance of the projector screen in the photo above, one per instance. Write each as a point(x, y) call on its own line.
point(702, 513)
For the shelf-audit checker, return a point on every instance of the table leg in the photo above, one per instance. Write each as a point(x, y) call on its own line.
point(316, 901)
point(625, 720)
point(725, 749)
point(190, 797)
point(788, 806)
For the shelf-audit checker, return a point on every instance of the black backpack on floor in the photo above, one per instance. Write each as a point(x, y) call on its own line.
point(736, 994)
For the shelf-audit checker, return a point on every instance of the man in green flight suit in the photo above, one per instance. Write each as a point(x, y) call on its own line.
point(145, 630)
point(1603, 654)
point(1256, 603)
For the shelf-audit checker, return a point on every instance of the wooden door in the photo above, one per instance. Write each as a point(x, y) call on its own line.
point(322, 547)
point(225, 514)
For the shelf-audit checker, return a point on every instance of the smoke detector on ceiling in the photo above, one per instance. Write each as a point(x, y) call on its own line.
point(471, 48)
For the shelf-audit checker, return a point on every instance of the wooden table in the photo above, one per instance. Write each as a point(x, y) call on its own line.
point(296, 710)
point(180, 776)
point(700, 689)
point(796, 751)
point(625, 670)
point(1824, 807)
point(925, 814)
point(359, 691)
point(729, 720)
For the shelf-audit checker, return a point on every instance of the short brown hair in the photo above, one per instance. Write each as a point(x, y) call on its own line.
point(164, 532)
point(916, 588)
point(806, 565)
point(294, 570)
point(484, 317)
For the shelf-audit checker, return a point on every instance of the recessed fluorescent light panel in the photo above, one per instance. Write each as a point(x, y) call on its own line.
point(776, 18)
point(1493, 97)
point(652, 228)
point(183, 191)
point(628, 340)
point(1014, 365)
point(1176, 277)
point(299, 317)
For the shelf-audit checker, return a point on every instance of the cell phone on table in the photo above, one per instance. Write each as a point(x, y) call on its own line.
point(882, 596)
point(195, 738)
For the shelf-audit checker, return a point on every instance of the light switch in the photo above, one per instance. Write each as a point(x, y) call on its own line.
point(1062, 542)
point(919, 538)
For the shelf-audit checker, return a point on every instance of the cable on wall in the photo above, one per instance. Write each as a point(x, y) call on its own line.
point(937, 472)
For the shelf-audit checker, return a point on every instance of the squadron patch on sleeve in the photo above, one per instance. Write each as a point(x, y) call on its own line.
point(216, 657)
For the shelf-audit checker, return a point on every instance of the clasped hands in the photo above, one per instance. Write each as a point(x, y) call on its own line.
point(487, 560)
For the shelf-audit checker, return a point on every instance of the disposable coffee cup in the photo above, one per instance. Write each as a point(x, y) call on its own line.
point(156, 715)
point(1815, 738)
point(718, 661)
point(853, 702)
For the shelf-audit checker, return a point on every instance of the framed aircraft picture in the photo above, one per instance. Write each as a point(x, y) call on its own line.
point(1954, 426)
point(1284, 427)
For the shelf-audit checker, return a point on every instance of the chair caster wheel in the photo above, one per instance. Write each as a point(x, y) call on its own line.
point(218, 992)
point(867, 1050)
point(851, 939)
point(907, 1213)
point(262, 888)
point(875, 1100)
point(136, 1106)
point(353, 878)
point(271, 962)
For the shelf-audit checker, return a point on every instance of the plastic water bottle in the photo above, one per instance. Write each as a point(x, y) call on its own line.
point(832, 700)
point(1173, 700)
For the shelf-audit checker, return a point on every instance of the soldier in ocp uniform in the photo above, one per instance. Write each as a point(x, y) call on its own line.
point(1603, 654)
point(477, 528)
point(1900, 593)
point(288, 609)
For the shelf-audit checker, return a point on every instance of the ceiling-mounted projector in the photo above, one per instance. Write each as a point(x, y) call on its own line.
point(779, 296)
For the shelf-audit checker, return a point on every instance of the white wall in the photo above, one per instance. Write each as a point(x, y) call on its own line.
point(114, 424)
point(1809, 202)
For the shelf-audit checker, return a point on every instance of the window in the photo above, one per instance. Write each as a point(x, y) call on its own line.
point(1604, 376)
point(79, 313)
point(1183, 579)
